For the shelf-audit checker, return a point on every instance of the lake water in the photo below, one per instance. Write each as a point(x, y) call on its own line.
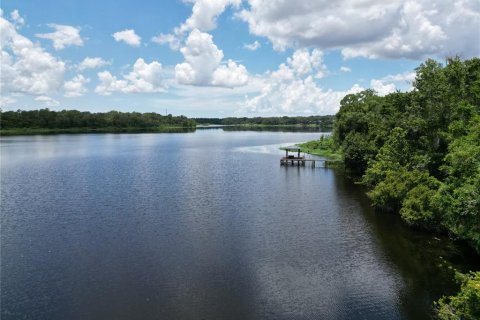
point(202, 225)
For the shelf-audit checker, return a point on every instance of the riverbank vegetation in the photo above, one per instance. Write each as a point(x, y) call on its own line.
point(73, 121)
point(464, 305)
point(324, 123)
point(324, 147)
point(418, 153)
point(46, 121)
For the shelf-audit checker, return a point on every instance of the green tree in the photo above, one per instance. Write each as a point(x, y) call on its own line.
point(459, 197)
point(466, 304)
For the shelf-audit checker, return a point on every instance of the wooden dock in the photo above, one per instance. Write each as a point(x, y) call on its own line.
point(301, 162)
point(298, 160)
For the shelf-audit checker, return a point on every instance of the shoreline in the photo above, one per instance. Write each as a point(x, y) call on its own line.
point(169, 129)
point(47, 131)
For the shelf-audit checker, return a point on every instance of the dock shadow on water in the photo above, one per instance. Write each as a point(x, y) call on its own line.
point(204, 225)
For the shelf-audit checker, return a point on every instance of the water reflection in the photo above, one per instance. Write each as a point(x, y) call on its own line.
point(205, 225)
point(276, 129)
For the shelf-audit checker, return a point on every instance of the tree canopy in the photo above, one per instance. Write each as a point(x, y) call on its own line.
point(323, 122)
point(418, 152)
point(65, 119)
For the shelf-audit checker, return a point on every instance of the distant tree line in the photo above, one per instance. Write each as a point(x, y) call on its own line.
point(66, 119)
point(418, 153)
point(317, 121)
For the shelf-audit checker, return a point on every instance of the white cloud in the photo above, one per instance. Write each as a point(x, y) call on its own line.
point(63, 36)
point(5, 100)
point(202, 57)
point(92, 63)
point(345, 69)
point(203, 18)
point(392, 83)
point(303, 62)
point(128, 36)
point(17, 19)
point(382, 88)
point(204, 14)
point(252, 46)
point(144, 78)
point(372, 28)
point(230, 75)
point(76, 86)
point(209, 101)
point(47, 101)
point(203, 66)
point(26, 67)
point(406, 77)
point(292, 88)
point(109, 84)
point(170, 39)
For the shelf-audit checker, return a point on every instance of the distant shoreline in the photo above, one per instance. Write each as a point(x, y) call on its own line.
point(40, 131)
point(169, 129)
point(45, 121)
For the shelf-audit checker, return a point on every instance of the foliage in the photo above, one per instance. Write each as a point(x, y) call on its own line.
point(325, 123)
point(324, 146)
point(466, 304)
point(418, 206)
point(459, 197)
point(391, 157)
point(418, 152)
point(358, 150)
point(67, 119)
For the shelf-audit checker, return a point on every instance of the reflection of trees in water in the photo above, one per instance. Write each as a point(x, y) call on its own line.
point(421, 258)
point(274, 128)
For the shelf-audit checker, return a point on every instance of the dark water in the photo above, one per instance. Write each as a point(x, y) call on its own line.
point(202, 225)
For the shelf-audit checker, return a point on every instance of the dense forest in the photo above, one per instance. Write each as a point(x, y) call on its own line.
point(67, 119)
point(323, 122)
point(73, 119)
point(418, 153)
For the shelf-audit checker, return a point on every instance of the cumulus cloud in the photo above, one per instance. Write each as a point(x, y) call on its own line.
point(392, 83)
point(76, 86)
point(92, 63)
point(17, 19)
point(144, 78)
point(203, 64)
point(372, 28)
point(292, 89)
point(26, 67)
point(345, 69)
point(63, 36)
point(382, 88)
point(128, 36)
point(203, 18)
point(202, 57)
point(303, 62)
point(252, 46)
point(230, 75)
point(47, 101)
point(205, 13)
point(172, 40)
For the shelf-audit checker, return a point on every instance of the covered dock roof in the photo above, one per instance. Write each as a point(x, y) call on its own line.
point(293, 148)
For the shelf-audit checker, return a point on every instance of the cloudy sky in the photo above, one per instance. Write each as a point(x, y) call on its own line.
point(221, 58)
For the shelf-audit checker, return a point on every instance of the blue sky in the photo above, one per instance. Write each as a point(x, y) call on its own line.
point(220, 58)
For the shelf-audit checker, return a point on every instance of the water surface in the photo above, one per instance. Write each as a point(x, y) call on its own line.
point(202, 225)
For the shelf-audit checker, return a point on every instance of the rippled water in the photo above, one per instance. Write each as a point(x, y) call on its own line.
point(202, 225)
